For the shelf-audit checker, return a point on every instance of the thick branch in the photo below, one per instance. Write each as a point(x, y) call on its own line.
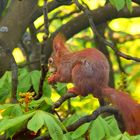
point(51, 6)
point(16, 22)
point(93, 116)
point(99, 16)
point(85, 119)
point(17, 19)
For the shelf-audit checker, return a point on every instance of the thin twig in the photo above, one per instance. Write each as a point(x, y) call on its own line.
point(44, 68)
point(56, 16)
point(62, 99)
point(120, 36)
point(64, 1)
point(93, 27)
point(46, 20)
point(28, 63)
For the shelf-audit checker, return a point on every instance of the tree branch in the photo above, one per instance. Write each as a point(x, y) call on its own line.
point(93, 27)
point(62, 99)
point(85, 119)
point(99, 16)
point(93, 116)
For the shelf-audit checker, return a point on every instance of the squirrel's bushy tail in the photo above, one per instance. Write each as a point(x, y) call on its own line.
point(129, 109)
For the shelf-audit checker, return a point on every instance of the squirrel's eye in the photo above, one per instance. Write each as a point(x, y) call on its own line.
point(50, 61)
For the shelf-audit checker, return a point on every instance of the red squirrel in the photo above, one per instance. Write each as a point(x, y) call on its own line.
point(88, 70)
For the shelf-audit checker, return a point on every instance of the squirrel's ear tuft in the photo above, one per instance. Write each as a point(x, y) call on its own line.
point(59, 42)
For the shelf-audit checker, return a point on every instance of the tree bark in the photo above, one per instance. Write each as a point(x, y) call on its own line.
point(21, 13)
point(17, 19)
point(101, 46)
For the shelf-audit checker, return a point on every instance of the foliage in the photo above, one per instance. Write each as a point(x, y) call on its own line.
point(120, 4)
point(36, 116)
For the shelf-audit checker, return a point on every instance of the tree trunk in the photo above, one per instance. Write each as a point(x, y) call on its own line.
point(16, 20)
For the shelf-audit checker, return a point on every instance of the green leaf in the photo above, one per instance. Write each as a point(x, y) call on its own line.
point(6, 78)
point(43, 103)
point(97, 131)
point(58, 122)
point(24, 83)
point(13, 111)
point(118, 137)
point(136, 137)
point(107, 129)
point(48, 101)
point(67, 136)
point(135, 77)
point(112, 123)
point(61, 88)
point(124, 136)
point(5, 106)
point(80, 131)
point(5, 86)
point(46, 89)
point(13, 130)
point(36, 122)
point(129, 5)
point(43, 118)
point(71, 119)
point(8, 123)
point(54, 129)
point(104, 128)
point(35, 79)
point(118, 4)
point(5, 92)
point(22, 72)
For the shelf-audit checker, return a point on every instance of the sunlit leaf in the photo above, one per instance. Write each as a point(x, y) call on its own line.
point(61, 88)
point(104, 128)
point(43, 103)
point(46, 89)
point(67, 136)
point(80, 131)
point(71, 119)
point(5, 79)
point(54, 129)
point(119, 4)
point(97, 130)
point(129, 5)
point(24, 83)
point(8, 123)
point(5, 106)
point(35, 79)
point(124, 136)
point(111, 121)
point(36, 122)
point(5, 92)
point(13, 111)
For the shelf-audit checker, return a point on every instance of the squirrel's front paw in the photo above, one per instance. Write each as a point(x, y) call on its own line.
point(51, 79)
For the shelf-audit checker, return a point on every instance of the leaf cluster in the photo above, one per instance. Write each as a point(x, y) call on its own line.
point(40, 122)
